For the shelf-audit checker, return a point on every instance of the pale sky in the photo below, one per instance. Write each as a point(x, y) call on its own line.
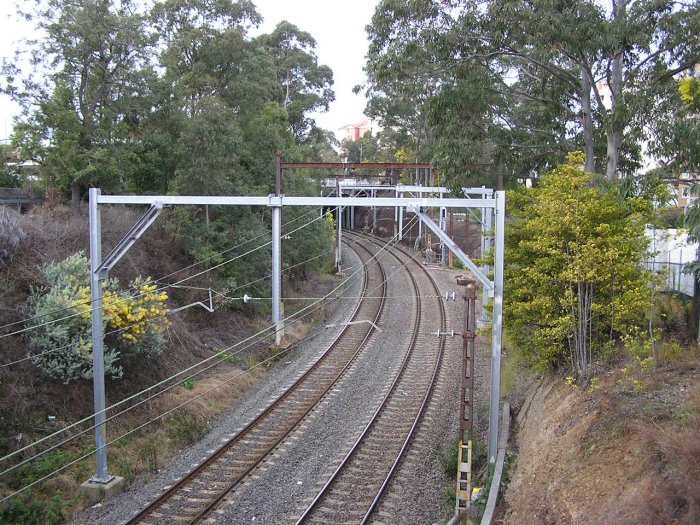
point(341, 43)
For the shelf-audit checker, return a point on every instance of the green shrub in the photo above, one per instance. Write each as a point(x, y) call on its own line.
point(62, 339)
point(38, 469)
point(187, 429)
point(574, 279)
point(447, 456)
point(148, 456)
point(54, 513)
point(22, 511)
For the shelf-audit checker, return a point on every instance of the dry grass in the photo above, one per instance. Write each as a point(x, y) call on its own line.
point(675, 498)
point(624, 452)
point(27, 398)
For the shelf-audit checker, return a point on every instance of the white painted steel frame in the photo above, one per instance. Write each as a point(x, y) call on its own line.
point(98, 365)
point(277, 202)
point(272, 200)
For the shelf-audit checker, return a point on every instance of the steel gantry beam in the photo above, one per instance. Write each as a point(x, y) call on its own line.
point(284, 200)
point(277, 201)
point(456, 250)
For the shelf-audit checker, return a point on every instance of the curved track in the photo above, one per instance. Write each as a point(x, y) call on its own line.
point(354, 490)
point(194, 497)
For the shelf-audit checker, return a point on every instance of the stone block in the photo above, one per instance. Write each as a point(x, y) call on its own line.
point(97, 491)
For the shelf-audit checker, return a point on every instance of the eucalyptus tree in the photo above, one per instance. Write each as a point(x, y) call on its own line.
point(87, 92)
point(676, 137)
point(403, 76)
point(306, 86)
point(529, 80)
point(204, 46)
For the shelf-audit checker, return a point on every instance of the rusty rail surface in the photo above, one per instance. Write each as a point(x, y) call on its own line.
point(194, 497)
point(355, 489)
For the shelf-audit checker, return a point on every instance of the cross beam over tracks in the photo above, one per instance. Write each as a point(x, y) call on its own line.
point(277, 201)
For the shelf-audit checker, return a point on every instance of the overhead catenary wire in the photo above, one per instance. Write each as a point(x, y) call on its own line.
point(400, 267)
point(173, 285)
point(374, 257)
point(166, 380)
point(40, 325)
point(159, 416)
point(224, 354)
point(127, 327)
point(143, 425)
point(265, 234)
point(88, 301)
point(153, 419)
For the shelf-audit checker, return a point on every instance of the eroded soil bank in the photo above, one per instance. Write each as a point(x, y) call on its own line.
point(625, 450)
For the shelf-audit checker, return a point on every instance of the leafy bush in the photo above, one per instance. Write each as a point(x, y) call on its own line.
point(574, 280)
point(186, 429)
point(11, 235)
point(134, 321)
point(22, 511)
point(38, 469)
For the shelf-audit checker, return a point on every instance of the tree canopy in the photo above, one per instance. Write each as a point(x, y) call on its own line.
point(159, 98)
point(507, 87)
point(176, 96)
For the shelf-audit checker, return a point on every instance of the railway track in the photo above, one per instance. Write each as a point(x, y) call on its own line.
point(194, 497)
point(357, 486)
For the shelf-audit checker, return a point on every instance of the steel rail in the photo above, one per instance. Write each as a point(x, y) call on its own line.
point(323, 493)
point(152, 508)
point(426, 398)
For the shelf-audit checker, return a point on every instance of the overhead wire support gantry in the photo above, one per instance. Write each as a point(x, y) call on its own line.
point(409, 197)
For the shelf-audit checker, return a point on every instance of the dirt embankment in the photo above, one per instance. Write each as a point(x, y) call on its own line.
point(623, 451)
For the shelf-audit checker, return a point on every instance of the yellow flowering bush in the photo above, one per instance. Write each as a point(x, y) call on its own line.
point(134, 321)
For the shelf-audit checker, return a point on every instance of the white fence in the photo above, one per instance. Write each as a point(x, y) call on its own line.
point(671, 251)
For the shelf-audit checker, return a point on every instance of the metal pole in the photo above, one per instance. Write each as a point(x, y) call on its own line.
point(420, 229)
point(352, 214)
point(497, 324)
point(401, 219)
point(396, 213)
point(277, 253)
point(339, 232)
point(466, 425)
point(443, 227)
point(486, 225)
point(98, 365)
point(374, 212)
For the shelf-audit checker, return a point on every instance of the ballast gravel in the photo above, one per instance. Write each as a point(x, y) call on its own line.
point(282, 487)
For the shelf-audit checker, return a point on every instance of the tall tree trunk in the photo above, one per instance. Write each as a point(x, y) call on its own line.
point(587, 122)
point(613, 157)
point(615, 125)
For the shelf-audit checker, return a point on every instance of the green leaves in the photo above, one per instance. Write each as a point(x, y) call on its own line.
point(573, 274)
point(509, 87)
point(61, 342)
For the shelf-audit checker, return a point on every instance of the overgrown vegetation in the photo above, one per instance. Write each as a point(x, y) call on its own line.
point(60, 336)
point(583, 245)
